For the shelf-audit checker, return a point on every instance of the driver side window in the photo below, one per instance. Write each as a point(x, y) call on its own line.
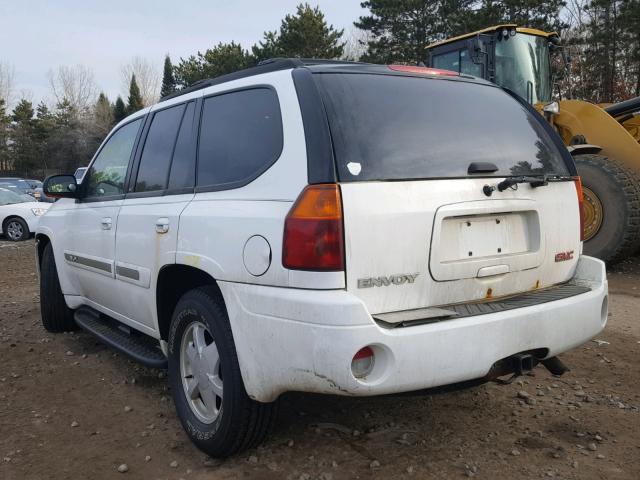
point(107, 173)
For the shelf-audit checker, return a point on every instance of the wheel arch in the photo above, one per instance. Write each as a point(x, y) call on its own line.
point(175, 280)
point(11, 217)
point(42, 241)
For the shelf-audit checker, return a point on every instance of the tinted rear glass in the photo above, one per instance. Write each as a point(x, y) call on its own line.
point(158, 149)
point(388, 127)
point(240, 137)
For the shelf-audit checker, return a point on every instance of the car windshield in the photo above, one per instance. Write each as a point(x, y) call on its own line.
point(391, 127)
point(8, 197)
point(522, 66)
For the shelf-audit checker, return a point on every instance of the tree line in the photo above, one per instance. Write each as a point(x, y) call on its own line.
point(602, 37)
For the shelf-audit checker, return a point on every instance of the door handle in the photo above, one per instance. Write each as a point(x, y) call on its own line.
point(106, 223)
point(162, 225)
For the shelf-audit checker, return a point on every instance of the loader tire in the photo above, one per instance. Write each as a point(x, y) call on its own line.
point(611, 207)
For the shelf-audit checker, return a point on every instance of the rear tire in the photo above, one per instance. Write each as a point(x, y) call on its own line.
point(226, 421)
point(15, 229)
point(614, 190)
point(56, 316)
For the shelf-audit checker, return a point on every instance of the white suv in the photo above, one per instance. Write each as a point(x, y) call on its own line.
point(323, 227)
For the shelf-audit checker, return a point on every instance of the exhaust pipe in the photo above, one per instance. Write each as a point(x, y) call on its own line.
point(555, 366)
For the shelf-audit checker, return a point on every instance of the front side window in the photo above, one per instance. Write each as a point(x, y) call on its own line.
point(107, 173)
point(240, 137)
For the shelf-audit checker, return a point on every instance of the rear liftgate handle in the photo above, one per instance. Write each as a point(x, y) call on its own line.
point(162, 225)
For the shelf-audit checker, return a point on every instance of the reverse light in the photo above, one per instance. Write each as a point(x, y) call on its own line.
point(578, 183)
point(362, 363)
point(313, 231)
point(423, 70)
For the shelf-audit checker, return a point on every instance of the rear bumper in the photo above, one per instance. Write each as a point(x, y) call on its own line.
point(301, 340)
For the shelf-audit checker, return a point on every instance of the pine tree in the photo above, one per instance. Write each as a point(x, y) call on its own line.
point(219, 60)
point(168, 80)
point(119, 110)
point(400, 29)
point(304, 34)
point(102, 117)
point(135, 99)
point(542, 14)
point(23, 151)
point(5, 121)
point(43, 128)
point(630, 17)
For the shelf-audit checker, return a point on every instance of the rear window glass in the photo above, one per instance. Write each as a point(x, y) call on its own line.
point(388, 127)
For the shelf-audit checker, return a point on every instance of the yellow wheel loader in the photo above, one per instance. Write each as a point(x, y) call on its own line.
point(603, 139)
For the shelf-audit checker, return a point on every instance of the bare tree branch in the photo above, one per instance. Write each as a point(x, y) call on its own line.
point(147, 77)
point(76, 85)
point(7, 76)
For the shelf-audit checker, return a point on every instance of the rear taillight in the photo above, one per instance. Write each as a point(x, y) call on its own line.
point(313, 233)
point(578, 183)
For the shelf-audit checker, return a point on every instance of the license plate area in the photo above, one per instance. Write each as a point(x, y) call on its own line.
point(485, 236)
point(474, 239)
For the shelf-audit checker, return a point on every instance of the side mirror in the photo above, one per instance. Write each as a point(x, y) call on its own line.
point(61, 186)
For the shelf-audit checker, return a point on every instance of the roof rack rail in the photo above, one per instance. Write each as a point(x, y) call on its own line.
point(265, 66)
point(275, 65)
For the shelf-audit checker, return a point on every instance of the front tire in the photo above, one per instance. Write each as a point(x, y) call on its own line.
point(612, 207)
point(16, 229)
point(56, 316)
point(211, 401)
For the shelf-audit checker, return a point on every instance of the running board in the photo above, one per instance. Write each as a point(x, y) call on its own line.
point(140, 347)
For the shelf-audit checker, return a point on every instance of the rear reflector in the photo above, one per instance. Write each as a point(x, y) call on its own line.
point(362, 363)
point(313, 232)
point(423, 70)
point(578, 182)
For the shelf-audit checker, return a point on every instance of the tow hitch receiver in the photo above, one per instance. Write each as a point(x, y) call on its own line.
point(523, 363)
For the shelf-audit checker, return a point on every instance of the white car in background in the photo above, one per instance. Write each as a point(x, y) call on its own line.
point(19, 215)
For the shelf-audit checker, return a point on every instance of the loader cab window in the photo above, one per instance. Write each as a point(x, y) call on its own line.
point(458, 61)
point(522, 66)
point(447, 61)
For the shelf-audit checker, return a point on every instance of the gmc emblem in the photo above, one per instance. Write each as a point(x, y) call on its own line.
point(564, 256)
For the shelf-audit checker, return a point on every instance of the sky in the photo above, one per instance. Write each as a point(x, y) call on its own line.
point(37, 36)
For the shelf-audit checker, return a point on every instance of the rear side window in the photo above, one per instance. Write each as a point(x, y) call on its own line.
point(240, 137)
point(390, 127)
point(158, 149)
point(183, 166)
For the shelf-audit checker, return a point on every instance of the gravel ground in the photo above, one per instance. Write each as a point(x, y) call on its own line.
point(70, 408)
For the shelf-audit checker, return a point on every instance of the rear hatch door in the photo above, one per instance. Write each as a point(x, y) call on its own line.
point(420, 231)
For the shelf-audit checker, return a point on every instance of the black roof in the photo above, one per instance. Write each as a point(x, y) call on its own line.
point(314, 64)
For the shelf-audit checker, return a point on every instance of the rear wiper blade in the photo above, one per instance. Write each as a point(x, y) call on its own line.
point(533, 181)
